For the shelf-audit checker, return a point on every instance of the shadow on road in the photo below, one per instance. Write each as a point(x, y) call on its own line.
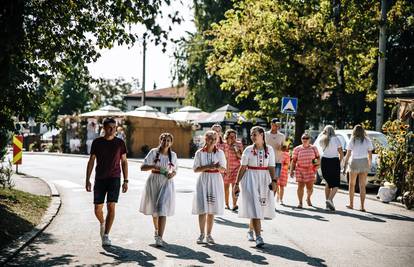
point(223, 221)
point(393, 216)
point(302, 215)
point(124, 255)
point(34, 255)
point(291, 254)
point(340, 213)
point(185, 253)
point(238, 253)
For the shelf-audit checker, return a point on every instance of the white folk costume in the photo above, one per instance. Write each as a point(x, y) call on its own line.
point(158, 198)
point(256, 200)
point(209, 193)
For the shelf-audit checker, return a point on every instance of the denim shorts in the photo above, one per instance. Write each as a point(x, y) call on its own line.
point(278, 169)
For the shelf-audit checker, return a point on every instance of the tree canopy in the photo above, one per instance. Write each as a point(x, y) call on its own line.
point(268, 49)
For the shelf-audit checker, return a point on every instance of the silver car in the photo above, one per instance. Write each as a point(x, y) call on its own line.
point(344, 136)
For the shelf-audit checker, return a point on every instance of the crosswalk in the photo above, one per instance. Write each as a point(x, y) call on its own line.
point(183, 183)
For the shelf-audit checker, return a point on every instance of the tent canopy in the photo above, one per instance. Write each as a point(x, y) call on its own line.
point(188, 113)
point(148, 112)
point(105, 111)
point(228, 115)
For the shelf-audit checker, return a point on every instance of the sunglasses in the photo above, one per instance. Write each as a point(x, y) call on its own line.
point(305, 138)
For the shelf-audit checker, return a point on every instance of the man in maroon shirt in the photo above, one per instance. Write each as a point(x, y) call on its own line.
point(108, 151)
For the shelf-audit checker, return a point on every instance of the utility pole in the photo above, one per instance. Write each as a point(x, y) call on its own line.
point(381, 67)
point(144, 44)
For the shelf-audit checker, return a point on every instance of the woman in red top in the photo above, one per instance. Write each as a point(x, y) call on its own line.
point(304, 165)
point(282, 182)
point(233, 152)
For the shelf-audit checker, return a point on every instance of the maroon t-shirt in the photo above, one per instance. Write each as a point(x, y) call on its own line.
point(108, 155)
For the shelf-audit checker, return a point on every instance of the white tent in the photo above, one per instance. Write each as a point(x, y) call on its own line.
point(189, 113)
point(148, 112)
point(106, 111)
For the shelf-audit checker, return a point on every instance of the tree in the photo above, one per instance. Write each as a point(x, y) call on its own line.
point(268, 49)
point(109, 92)
point(41, 39)
point(204, 89)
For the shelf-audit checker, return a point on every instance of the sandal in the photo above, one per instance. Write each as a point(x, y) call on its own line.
point(299, 206)
point(363, 210)
point(350, 207)
point(309, 202)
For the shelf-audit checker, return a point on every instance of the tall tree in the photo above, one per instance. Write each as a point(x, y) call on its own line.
point(204, 89)
point(109, 92)
point(267, 49)
point(40, 39)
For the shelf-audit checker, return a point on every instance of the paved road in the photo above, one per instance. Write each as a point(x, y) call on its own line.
point(382, 237)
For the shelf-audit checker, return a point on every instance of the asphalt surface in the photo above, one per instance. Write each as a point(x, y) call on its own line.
point(383, 236)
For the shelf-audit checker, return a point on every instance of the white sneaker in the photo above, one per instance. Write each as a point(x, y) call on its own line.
point(210, 239)
point(200, 239)
point(159, 242)
point(250, 236)
point(106, 241)
point(259, 242)
point(102, 229)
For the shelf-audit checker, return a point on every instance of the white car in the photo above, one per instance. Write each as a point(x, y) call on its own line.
point(344, 136)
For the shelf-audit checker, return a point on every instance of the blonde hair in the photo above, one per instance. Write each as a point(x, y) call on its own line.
point(328, 133)
point(210, 133)
point(228, 132)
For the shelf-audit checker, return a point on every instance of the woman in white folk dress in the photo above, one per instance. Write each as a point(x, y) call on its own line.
point(158, 198)
point(209, 193)
point(257, 184)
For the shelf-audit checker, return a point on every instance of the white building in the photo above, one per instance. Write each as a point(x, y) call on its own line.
point(166, 100)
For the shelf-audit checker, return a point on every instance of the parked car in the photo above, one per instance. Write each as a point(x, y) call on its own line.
point(344, 136)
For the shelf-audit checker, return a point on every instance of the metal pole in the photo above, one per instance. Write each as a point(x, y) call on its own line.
point(286, 126)
point(381, 67)
point(143, 71)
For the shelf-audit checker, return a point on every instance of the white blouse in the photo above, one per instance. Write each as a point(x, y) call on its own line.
point(257, 158)
point(163, 160)
point(203, 158)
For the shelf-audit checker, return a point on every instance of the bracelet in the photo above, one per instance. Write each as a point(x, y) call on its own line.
point(274, 180)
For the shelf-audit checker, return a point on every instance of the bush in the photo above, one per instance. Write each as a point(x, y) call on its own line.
point(6, 173)
point(396, 161)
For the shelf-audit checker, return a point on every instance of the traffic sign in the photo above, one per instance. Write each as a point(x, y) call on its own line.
point(17, 149)
point(289, 105)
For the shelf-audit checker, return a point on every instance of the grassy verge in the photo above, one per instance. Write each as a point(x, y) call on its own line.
point(20, 212)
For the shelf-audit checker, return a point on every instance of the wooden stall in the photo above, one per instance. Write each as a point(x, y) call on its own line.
point(143, 133)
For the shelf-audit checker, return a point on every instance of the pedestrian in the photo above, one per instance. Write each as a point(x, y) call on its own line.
point(220, 141)
point(233, 152)
point(276, 139)
point(158, 198)
point(332, 156)
point(120, 133)
point(360, 151)
point(304, 162)
point(256, 183)
point(209, 193)
point(282, 181)
point(109, 152)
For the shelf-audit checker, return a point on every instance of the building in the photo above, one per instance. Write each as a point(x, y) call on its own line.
point(166, 100)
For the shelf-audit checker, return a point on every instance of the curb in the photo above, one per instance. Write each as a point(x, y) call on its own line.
point(20, 243)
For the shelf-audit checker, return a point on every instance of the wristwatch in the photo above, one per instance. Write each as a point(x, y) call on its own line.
point(126, 181)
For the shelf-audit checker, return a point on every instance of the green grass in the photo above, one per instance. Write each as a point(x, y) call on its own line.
point(20, 212)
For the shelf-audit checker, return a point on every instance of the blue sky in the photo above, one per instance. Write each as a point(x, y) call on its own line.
point(121, 62)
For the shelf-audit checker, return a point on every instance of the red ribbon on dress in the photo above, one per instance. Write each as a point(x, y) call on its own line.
point(212, 171)
point(257, 168)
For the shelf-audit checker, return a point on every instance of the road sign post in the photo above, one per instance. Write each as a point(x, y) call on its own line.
point(17, 151)
point(289, 107)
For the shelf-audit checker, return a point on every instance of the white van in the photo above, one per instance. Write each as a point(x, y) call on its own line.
point(345, 136)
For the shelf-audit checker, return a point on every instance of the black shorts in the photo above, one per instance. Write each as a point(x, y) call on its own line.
point(106, 187)
point(331, 171)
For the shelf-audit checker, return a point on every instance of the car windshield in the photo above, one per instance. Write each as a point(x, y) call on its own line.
point(377, 139)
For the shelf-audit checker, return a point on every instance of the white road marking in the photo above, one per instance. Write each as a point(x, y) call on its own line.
point(67, 184)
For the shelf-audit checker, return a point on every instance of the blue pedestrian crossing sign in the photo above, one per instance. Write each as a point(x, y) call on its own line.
point(289, 105)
